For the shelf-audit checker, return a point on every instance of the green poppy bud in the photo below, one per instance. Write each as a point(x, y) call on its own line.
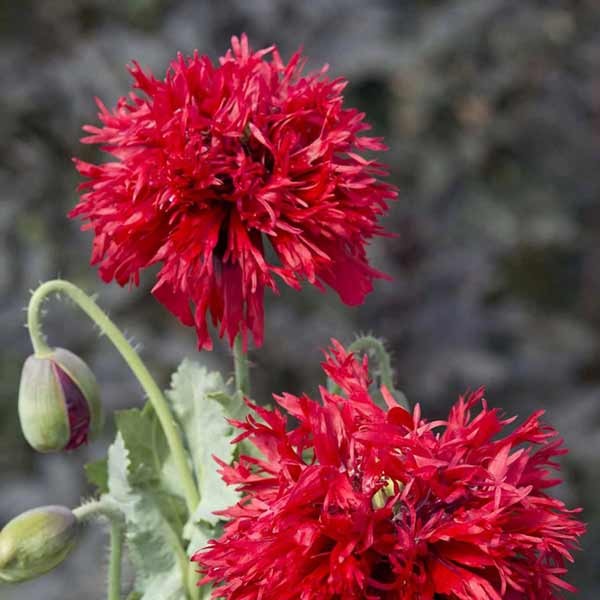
point(59, 401)
point(36, 541)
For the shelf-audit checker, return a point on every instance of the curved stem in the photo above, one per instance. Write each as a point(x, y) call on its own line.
point(131, 357)
point(114, 566)
point(96, 508)
point(240, 362)
point(101, 508)
point(386, 374)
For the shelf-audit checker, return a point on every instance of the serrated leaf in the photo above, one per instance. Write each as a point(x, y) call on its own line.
point(202, 404)
point(150, 465)
point(145, 486)
point(96, 473)
point(154, 547)
point(146, 445)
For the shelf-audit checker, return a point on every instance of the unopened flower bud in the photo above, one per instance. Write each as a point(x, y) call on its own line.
point(36, 541)
point(59, 401)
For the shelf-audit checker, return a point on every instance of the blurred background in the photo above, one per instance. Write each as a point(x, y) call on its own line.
point(491, 109)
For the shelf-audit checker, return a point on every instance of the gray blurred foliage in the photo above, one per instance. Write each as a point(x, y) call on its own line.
point(491, 109)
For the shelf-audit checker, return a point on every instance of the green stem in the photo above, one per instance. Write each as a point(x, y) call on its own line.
point(114, 566)
point(98, 508)
point(187, 568)
point(95, 508)
point(192, 578)
point(185, 565)
point(369, 343)
point(131, 357)
point(242, 371)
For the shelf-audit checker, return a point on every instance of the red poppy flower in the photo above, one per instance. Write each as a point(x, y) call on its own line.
point(216, 160)
point(358, 502)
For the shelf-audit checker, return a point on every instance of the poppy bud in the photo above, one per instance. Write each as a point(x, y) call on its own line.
point(59, 401)
point(35, 542)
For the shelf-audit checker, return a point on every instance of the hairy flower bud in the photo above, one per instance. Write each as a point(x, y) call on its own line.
point(59, 401)
point(35, 542)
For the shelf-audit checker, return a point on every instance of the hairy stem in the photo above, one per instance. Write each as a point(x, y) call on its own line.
point(131, 357)
point(369, 343)
point(96, 508)
point(100, 508)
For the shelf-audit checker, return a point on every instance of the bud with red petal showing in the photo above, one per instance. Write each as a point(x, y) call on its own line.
point(59, 401)
point(36, 542)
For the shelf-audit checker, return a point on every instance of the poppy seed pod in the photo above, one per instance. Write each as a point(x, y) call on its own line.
point(36, 542)
point(59, 401)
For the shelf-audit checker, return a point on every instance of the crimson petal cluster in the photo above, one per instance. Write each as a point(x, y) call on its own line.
point(355, 501)
point(214, 161)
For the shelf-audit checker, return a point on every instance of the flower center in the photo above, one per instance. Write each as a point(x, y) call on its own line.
point(380, 498)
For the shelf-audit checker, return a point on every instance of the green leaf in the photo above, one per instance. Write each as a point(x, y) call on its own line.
point(145, 443)
point(150, 465)
point(202, 403)
point(143, 483)
point(96, 473)
point(234, 405)
point(154, 546)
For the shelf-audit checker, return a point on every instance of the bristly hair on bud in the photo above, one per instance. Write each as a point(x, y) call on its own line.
point(59, 401)
point(356, 501)
point(214, 162)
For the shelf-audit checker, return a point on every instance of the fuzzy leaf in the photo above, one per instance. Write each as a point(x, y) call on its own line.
point(202, 404)
point(150, 464)
point(145, 486)
point(145, 443)
point(154, 548)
